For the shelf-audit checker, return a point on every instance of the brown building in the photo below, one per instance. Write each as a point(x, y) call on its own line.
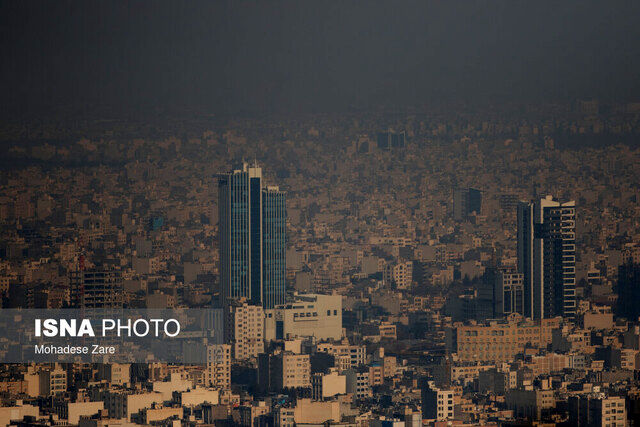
point(499, 341)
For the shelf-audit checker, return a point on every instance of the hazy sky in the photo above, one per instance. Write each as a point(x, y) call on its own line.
point(291, 55)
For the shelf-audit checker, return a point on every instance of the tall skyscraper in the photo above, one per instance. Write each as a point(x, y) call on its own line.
point(546, 257)
point(252, 224)
point(274, 225)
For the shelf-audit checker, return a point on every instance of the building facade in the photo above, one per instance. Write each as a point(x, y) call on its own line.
point(309, 315)
point(218, 372)
point(597, 410)
point(499, 341)
point(96, 289)
point(437, 404)
point(547, 257)
point(251, 228)
point(399, 274)
point(284, 370)
point(244, 329)
point(508, 293)
point(274, 225)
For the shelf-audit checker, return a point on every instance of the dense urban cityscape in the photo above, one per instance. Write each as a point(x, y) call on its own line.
point(319, 213)
point(431, 267)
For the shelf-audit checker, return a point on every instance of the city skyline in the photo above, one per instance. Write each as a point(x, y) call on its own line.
point(354, 214)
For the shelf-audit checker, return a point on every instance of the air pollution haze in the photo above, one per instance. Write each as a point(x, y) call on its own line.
point(236, 56)
point(319, 213)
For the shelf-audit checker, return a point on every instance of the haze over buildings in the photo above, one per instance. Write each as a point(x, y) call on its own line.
point(437, 224)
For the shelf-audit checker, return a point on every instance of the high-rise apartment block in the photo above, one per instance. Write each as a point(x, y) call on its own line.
point(218, 373)
point(244, 329)
point(274, 226)
point(547, 257)
point(252, 225)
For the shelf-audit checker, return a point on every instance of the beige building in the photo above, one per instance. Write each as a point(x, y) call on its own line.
point(52, 381)
point(249, 415)
point(597, 410)
point(437, 404)
point(389, 363)
point(359, 382)
point(177, 383)
point(328, 385)
point(72, 411)
point(548, 363)
point(157, 414)
point(597, 320)
point(346, 356)
point(218, 372)
point(468, 372)
point(310, 315)
point(284, 370)
point(529, 403)
point(499, 341)
point(115, 373)
point(244, 330)
point(197, 396)
point(400, 274)
point(295, 369)
point(17, 413)
point(145, 265)
point(307, 411)
point(124, 404)
point(629, 359)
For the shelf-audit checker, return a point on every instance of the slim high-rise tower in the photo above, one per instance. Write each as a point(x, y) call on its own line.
point(546, 257)
point(247, 239)
point(274, 225)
